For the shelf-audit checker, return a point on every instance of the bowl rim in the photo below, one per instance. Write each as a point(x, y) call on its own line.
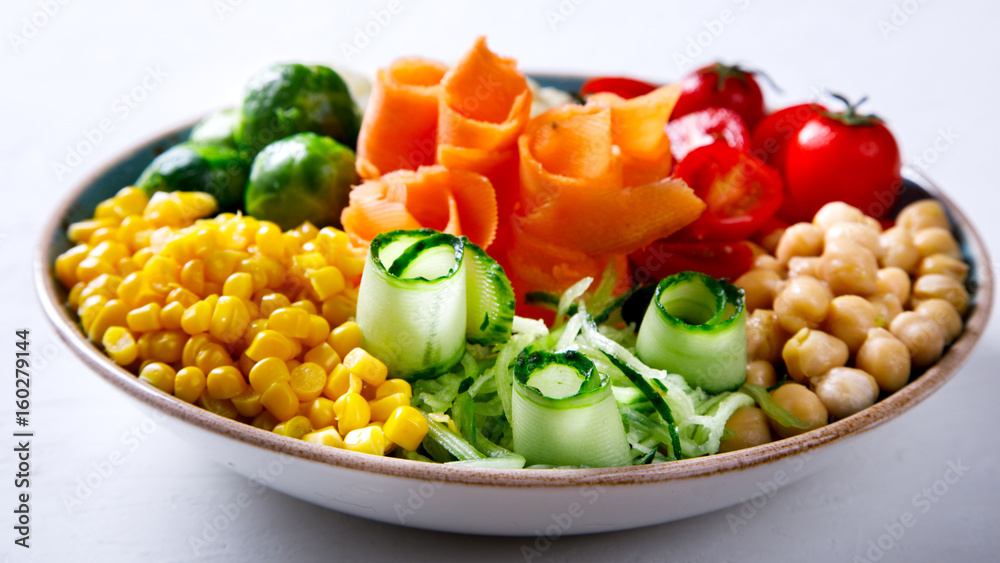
point(881, 412)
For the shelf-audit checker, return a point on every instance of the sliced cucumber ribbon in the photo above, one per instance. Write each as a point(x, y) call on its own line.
point(695, 326)
point(564, 412)
point(423, 294)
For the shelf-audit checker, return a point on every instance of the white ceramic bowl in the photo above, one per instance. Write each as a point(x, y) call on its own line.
point(493, 501)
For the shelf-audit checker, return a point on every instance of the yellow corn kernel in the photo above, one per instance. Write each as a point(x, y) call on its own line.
point(104, 284)
point(338, 309)
point(129, 230)
point(345, 338)
point(90, 267)
point(221, 407)
point(326, 282)
point(162, 273)
point(213, 356)
point(269, 240)
point(202, 242)
point(321, 412)
point(73, 299)
point(370, 369)
point(220, 264)
point(324, 355)
point(129, 201)
point(120, 345)
point(305, 305)
point(81, 231)
point(331, 243)
point(406, 426)
point(163, 210)
point(393, 386)
point(105, 210)
point(308, 380)
point(198, 317)
point(352, 412)
point(170, 315)
point(280, 400)
point(229, 319)
point(248, 403)
point(349, 265)
point(104, 234)
point(67, 263)
point(265, 421)
point(182, 295)
point(111, 314)
point(290, 322)
point(109, 251)
point(193, 276)
point(267, 372)
point(245, 364)
point(325, 437)
point(369, 440)
point(295, 427)
point(189, 384)
point(269, 343)
point(143, 255)
point(304, 408)
point(167, 346)
point(160, 375)
point(255, 327)
point(225, 382)
point(382, 408)
point(341, 382)
point(319, 331)
point(255, 268)
point(144, 319)
point(194, 345)
point(89, 309)
point(239, 285)
point(272, 302)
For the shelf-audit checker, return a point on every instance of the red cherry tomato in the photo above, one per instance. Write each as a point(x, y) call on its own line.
point(741, 192)
point(624, 87)
point(842, 157)
point(705, 127)
point(722, 86)
point(773, 134)
point(665, 258)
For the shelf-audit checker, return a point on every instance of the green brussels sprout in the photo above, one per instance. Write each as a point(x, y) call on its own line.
point(305, 177)
point(285, 99)
point(191, 167)
point(217, 129)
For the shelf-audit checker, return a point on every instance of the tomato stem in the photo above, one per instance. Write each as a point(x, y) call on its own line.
point(723, 72)
point(850, 116)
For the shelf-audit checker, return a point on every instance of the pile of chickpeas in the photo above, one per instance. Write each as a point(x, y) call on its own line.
point(848, 311)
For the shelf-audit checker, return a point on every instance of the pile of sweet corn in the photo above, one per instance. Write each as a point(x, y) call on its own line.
point(234, 315)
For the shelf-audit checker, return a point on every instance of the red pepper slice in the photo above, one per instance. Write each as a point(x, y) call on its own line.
point(741, 192)
point(665, 258)
point(624, 87)
point(704, 127)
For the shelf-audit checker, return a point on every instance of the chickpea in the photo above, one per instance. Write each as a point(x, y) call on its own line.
point(886, 358)
point(760, 287)
point(811, 353)
point(857, 233)
point(944, 264)
point(935, 240)
point(801, 303)
point(768, 262)
point(803, 404)
point(803, 266)
point(894, 280)
point(942, 312)
point(761, 372)
point(837, 212)
point(769, 241)
point(923, 214)
point(888, 306)
point(845, 391)
point(850, 317)
point(898, 249)
point(923, 337)
point(941, 286)
point(765, 336)
point(849, 269)
point(748, 426)
point(801, 239)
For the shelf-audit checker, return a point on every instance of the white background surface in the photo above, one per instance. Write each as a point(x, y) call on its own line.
point(938, 71)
